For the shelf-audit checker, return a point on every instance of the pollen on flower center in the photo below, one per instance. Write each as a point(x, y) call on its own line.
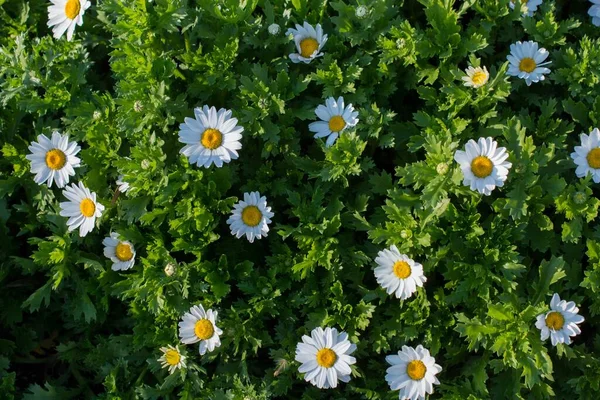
point(211, 138)
point(204, 329)
point(72, 8)
point(87, 207)
point(479, 78)
point(55, 159)
point(416, 370)
point(326, 358)
point(555, 320)
point(593, 158)
point(401, 269)
point(123, 252)
point(481, 166)
point(172, 357)
point(336, 123)
point(527, 64)
point(308, 46)
point(251, 215)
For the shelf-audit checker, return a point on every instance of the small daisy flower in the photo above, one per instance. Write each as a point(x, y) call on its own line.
point(560, 322)
point(172, 358)
point(398, 273)
point(587, 156)
point(53, 160)
point(121, 184)
point(594, 12)
point(309, 42)
point(198, 325)
point(63, 15)
point(120, 252)
point(483, 164)
point(325, 357)
point(273, 29)
point(361, 11)
point(531, 6)
point(213, 137)
point(527, 62)
point(250, 217)
point(413, 372)
point(476, 77)
point(335, 118)
point(82, 208)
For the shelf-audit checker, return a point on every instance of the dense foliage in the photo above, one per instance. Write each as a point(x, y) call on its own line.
point(74, 328)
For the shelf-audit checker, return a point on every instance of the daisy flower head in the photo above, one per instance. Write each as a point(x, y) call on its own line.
point(250, 217)
point(171, 358)
point(412, 372)
point(120, 252)
point(335, 118)
point(309, 42)
point(560, 322)
point(398, 274)
point(121, 184)
point(527, 62)
point(594, 12)
point(483, 165)
point(212, 137)
point(476, 77)
point(325, 357)
point(198, 325)
point(53, 160)
point(63, 15)
point(82, 208)
point(531, 6)
point(587, 156)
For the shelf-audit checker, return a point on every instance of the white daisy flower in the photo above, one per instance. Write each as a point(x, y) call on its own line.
point(335, 118)
point(412, 372)
point(273, 29)
point(476, 77)
point(250, 217)
point(309, 42)
point(63, 15)
point(483, 164)
point(172, 358)
point(121, 184)
point(594, 12)
point(120, 252)
point(213, 137)
point(587, 156)
point(82, 208)
point(325, 357)
point(560, 322)
point(398, 273)
point(53, 160)
point(198, 325)
point(361, 11)
point(527, 62)
point(531, 6)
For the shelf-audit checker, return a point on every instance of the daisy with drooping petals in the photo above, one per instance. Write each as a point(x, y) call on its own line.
point(309, 42)
point(560, 322)
point(325, 357)
point(172, 358)
point(82, 208)
point(531, 6)
point(53, 160)
point(335, 118)
point(120, 252)
point(413, 372)
point(594, 12)
point(121, 184)
point(212, 137)
point(63, 15)
point(587, 156)
point(483, 164)
point(250, 217)
point(527, 62)
point(398, 274)
point(476, 77)
point(198, 325)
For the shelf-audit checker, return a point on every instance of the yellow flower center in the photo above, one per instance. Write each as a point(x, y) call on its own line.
point(326, 357)
point(72, 9)
point(593, 158)
point(308, 47)
point(55, 159)
point(401, 269)
point(204, 329)
point(87, 207)
point(336, 123)
point(211, 138)
point(479, 78)
point(416, 370)
point(251, 215)
point(527, 64)
point(172, 357)
point(481, 166)
point(555, 320)
point(123, 252)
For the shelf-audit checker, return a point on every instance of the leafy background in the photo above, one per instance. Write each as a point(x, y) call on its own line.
point(73, 328)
